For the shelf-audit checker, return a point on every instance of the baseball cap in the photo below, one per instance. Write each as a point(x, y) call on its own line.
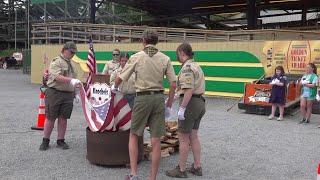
point(71, 45)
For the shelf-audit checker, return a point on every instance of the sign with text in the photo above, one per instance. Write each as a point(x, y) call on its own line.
point(293, 56)
point(100, 93)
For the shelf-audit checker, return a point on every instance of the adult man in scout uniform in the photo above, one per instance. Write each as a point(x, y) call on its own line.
point(59, 95)
point(112, 65)
point(150, 67)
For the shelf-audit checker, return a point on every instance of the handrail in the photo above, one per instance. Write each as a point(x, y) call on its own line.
point(114, 33)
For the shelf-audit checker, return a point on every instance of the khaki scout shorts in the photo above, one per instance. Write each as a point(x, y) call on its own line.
point(58, 104)
point(193, 114)
point(148, 109)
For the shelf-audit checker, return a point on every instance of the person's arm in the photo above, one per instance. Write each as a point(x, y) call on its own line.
point(187, 96)
point(172, 90)
point(113, 77)
point(63, 79)
point(126, 71)
point(105, 69)
point(55, 73)
point(314, 83)
point(282, 81)
point(117, 82)
point(171, 77)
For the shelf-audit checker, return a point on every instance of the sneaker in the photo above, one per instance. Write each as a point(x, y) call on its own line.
point(280, 118)
point(307, 121)
point(270, 117)
point(197, 172)
point(62, 144)
point(302, 121)
point(176, 172)
point(45, 144)
point(131, 177)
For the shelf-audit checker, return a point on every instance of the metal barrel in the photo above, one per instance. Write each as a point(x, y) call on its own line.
point(110, 148)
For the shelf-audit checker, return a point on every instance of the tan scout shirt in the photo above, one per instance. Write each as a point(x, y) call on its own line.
point(149, 69)
point(191, 76)
point(110, 67)
point(126, 87)
point(64, 67)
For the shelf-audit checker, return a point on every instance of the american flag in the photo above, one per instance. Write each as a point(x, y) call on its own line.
point(92, 66)
point(112, 115)
point(45, 59)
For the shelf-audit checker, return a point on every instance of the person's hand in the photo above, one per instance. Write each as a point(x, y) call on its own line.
point(114, 89)
point(167, 113)
point(276, 81)
point(304, 82)
point(318, 97)
point(176, 96)
point(181, 113)
point(272, 82)
point(77, 98)
point(75, 82)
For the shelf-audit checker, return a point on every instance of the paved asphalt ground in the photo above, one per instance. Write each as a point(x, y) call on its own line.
point(235, 145)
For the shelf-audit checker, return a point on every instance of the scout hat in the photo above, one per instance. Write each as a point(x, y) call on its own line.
point(71, 45)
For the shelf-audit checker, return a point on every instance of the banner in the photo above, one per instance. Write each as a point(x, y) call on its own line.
point(293, 56)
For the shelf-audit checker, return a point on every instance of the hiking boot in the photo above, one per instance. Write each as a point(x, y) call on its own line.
point(302, 121)
point(176, 172)
point(197, 172)
point(45, 144)
point(61, 144)
point(270, 117)
point(131, 177)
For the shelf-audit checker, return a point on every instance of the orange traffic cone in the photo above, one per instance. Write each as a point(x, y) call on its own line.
point(41, 114)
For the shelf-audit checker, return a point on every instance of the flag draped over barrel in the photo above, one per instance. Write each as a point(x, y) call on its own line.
point(112, 115)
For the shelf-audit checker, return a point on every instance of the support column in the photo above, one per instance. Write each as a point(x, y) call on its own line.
point(252, 14)
point(93, 11)
point(304, 17)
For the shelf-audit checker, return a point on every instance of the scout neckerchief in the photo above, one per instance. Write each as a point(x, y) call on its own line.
point(69, 64)
point(151, 50)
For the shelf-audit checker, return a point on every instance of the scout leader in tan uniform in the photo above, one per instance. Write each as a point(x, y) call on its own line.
point(126, 87)
point(150, 67)
point(59, 95)
point(190, 86)
point(112, 65)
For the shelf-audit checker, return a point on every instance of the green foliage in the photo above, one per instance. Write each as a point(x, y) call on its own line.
point(122, 14)
point(8, 52)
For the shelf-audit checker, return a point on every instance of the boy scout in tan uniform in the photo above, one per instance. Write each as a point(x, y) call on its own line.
point(112, 65)
point(190, 87)
point(59, 95)
point(150, 66)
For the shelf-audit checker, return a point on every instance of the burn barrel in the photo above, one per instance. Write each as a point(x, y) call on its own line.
point(110, 148)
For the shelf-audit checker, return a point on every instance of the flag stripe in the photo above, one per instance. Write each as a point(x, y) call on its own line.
point(92, 66)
